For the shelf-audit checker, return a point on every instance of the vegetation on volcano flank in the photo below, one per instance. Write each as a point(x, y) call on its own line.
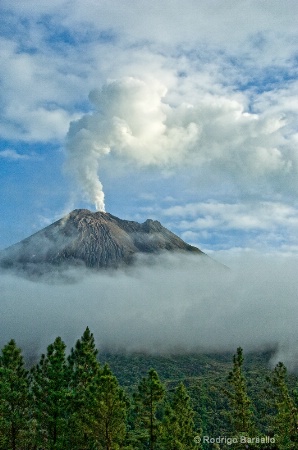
point(187, 402)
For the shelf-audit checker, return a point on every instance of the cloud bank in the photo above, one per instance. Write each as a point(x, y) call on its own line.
point(180, 304)
point(53, 55)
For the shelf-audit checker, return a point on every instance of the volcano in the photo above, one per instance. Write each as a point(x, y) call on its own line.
point(95, 240)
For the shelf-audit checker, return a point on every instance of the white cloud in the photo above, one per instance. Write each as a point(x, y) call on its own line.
point(37, 94)
point(220, 44)
point(214, 133)
point(262, 225)
point(244, 216)
point(163, 307)
point(170, 21)
point(12, 154)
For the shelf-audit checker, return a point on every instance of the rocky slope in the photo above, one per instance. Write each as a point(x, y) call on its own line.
point(92, 239)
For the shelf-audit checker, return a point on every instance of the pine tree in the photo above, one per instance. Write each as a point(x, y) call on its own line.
point(85, 370)
point(179, 422)
point(147, 400)
point(14, 419)
point(111, 411)
point(286, 419)
point(50, 394)
point(241, 414)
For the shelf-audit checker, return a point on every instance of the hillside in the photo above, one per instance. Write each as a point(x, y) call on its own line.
point(92, 239)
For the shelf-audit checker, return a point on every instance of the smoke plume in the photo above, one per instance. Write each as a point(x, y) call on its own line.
point(133, 120)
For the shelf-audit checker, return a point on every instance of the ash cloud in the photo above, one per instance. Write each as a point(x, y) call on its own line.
point(176, 304)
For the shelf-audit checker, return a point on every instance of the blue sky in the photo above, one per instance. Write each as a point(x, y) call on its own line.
point(186, 113)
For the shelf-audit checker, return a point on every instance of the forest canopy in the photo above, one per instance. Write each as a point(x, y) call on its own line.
point(73, 401)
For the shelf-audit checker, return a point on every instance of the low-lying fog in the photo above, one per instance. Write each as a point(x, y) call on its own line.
point(180, 303)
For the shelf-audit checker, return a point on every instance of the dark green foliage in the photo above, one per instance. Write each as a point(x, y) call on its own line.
point(14, 418)
point(285, 422)
point(148, 399)
point(178, 423)
point(240, 406)
point(50, 395)
point(74, 404)
point(241, 412)
point(111, 411)
point(84, 375)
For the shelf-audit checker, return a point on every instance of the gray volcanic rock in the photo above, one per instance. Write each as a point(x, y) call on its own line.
point(92, 239)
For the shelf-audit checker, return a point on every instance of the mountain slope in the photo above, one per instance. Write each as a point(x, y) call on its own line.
point(97, 240)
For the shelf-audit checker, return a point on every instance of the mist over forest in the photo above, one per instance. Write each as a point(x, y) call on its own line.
point(176, 304)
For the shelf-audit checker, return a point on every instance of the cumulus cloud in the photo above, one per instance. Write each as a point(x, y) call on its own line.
point(171, 306)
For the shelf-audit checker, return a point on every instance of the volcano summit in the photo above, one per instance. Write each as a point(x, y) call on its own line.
point(92, 239)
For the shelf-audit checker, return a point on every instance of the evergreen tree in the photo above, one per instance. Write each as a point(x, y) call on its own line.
point(84, 377)
point(286, 419)
point(13, 398)
point(49, 391)
point(241, 415)
point(111, 411)
point(147, 400)
point(179, 422)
